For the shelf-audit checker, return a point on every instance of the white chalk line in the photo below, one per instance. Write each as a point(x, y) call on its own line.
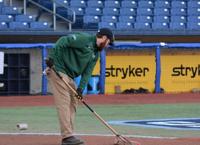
point(106, 135)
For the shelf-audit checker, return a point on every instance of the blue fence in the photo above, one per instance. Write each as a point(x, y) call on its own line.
point(118, 45)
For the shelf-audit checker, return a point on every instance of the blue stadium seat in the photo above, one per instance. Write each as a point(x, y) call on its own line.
point(177, 26)
point(112, 26)
point(145, 4)
point(129, 4)
point(178, 4)
point(40, 26)
point(24, 18)
point(78, 11)
point(193, 19)
point(142, 26)
point(193, 12)
point(78, 3)
point(112, 4)
point(8, 10)
point(111, 11)
point(124, 26)
point(62, 11)
point(178, 12)
point(160, 26)
point(179, 19)
point(3, 26)
point(109, 19)
point(93, 11)
point(144, 12)
point(1, 5)
point(162, 4)
point(93, 85)
point(130, 19)
point(127, 12)
point(161, 19)
point(90, 22)
point(95, 3)
point(193, 4)
point(19, 26)
point(193, 25)
point(6, 18)
point(144, 19)
point(46, 3)
point(59, 3)
point(161, 12)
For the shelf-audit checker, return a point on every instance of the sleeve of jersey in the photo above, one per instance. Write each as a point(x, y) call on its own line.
point(87, 74)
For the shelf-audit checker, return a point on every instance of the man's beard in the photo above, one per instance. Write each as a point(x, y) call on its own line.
point(101, 46)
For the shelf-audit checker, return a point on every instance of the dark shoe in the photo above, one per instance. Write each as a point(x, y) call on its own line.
point(72, 141)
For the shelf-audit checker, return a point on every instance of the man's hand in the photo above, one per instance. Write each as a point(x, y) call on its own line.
point(79, 93)
point(49, 62)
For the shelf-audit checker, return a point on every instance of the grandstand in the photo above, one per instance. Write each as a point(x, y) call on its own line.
point(126, 17)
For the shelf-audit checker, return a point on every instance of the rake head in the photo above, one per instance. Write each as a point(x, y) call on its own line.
point(120, 140)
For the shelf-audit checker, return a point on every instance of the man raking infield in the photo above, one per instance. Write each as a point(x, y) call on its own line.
point(74, 55)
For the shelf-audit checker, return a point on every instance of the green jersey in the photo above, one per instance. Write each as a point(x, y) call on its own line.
point(76, 54)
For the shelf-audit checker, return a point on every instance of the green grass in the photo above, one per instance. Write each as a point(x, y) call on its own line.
point(44, 119)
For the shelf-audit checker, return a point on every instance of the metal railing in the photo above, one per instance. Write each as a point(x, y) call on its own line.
point(53, 12)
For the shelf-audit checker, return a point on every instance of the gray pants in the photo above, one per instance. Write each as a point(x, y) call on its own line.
point(65, 101)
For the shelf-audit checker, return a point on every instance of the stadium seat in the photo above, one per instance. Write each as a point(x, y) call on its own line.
point(38, 26)
point(162, 4)
point(46, 3)
point(179, 19)
point(78, 3)
point(161, 12)
point(78, 11)
point(193, 4)
point(112, 26)
point(112, 4)
point(93, 11)
point(177, 26)
point(127, 12)
point(160, 26)
point(130, 19)
point(124, 26)
point(144, 12)
point(91, 22)
point(19, 26)
point(59, 3)
point(6, 18)
point(95, 3)
point(142, 26)
point(193, 12)
point(178, 4)
point(161, 19)
point(144, 19)
point(8, 10)
point(193, 19)
point(193, 25)
point(145, 4)
point(24, 18)
point(112, 19)
point(111, 11)
point(178, 12)
point(3, 26)
point(129, 4)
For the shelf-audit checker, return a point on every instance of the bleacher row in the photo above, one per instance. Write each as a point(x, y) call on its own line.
point(115, 14)
point(12, 18)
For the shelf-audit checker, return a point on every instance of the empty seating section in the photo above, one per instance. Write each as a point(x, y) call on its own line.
point(13, 19)
point(115, 14)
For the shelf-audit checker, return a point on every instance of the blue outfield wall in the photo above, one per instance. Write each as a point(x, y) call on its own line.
point(118, 46)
